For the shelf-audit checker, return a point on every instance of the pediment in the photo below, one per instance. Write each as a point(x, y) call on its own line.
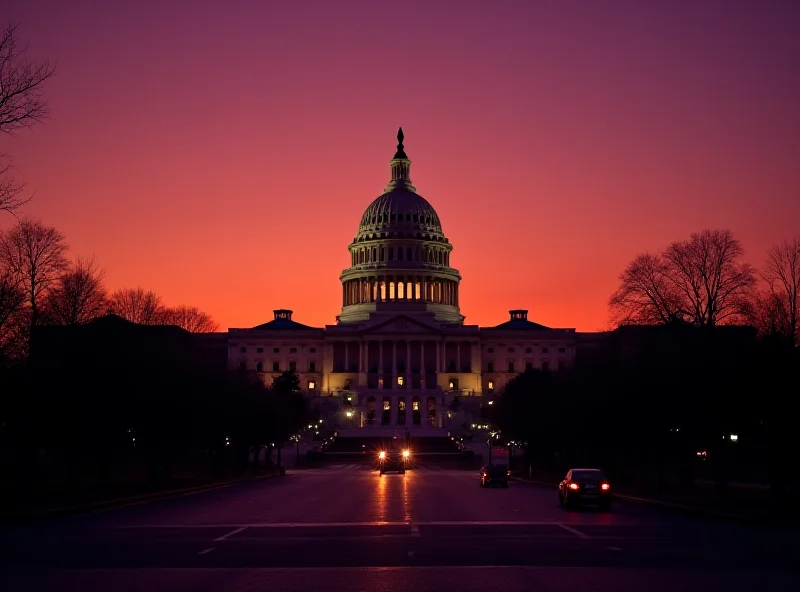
point(402, 324)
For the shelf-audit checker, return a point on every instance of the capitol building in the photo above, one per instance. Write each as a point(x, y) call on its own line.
point(400, 354)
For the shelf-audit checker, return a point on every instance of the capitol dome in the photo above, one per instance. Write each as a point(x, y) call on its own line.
point(400, 210)
point(400, 258)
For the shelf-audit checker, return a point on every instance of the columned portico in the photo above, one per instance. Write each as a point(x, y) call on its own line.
point(405, 363)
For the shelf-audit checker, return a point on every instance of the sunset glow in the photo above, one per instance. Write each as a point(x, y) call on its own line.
point(223, 156)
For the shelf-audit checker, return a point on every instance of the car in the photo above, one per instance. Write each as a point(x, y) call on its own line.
point(584, 486)
point(495, 475)
point(393, 460)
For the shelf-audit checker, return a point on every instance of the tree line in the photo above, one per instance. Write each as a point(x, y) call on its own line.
point(39, 285)
point(68, 429)
point(706, 348)
point(703, 281)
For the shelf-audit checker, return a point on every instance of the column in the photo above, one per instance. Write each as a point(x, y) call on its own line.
point(360, 356)
point(476, 366)
point(438, 356)
point(380, 358)
point(346, 356)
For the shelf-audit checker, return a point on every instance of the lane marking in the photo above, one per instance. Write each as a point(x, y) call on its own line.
point(415, 530)
point(376, 523)
point(411, 553)
point(231, 533)
point(206, 551)
point(574, 531)
point(614, 549)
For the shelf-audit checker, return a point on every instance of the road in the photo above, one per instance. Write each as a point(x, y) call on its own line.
point(345, 527)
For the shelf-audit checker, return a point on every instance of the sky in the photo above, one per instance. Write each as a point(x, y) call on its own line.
point(222, 153)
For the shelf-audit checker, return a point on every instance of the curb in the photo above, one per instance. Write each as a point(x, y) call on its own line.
point(632, 499)
point(122, 502)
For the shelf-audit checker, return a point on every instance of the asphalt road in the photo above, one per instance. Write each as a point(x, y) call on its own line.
point(344, 527)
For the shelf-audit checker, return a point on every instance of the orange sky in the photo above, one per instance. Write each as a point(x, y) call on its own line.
point(222, 154)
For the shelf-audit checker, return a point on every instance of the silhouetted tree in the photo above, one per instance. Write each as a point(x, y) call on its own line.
point(286, 382)
point(699, 281)
point(12, 298)
point(34, 255)
point(782, 276)
point(22, 103)
point(191, 319)
point(646, 295)
point(78, 296)
point(138, 306)
point(706, 271)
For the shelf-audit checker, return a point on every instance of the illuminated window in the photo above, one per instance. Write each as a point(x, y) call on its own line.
point(491, 385)
point(415, 405)
point(311, 385)
point(400, 381)
point(380, 383)
point(386, 405)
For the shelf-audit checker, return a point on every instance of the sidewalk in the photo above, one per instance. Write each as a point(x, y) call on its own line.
point(745, 504)
point(60, 511)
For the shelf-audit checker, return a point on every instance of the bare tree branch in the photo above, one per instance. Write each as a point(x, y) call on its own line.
point(645, 296)
point(191, 319)
point(22, 100)
point(78, 296)
point(34, 255)
point(22, 104)
point(11, 197)
point(782, 276)
point(138, 306)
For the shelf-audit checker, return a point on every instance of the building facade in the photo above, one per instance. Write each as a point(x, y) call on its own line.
point(400, 354)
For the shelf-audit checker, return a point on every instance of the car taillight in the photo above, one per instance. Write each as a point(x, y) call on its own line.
point(605, 487)
point(573, 486)
point(508, 473)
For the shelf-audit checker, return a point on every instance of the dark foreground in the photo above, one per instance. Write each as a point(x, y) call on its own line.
point(347, 528)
